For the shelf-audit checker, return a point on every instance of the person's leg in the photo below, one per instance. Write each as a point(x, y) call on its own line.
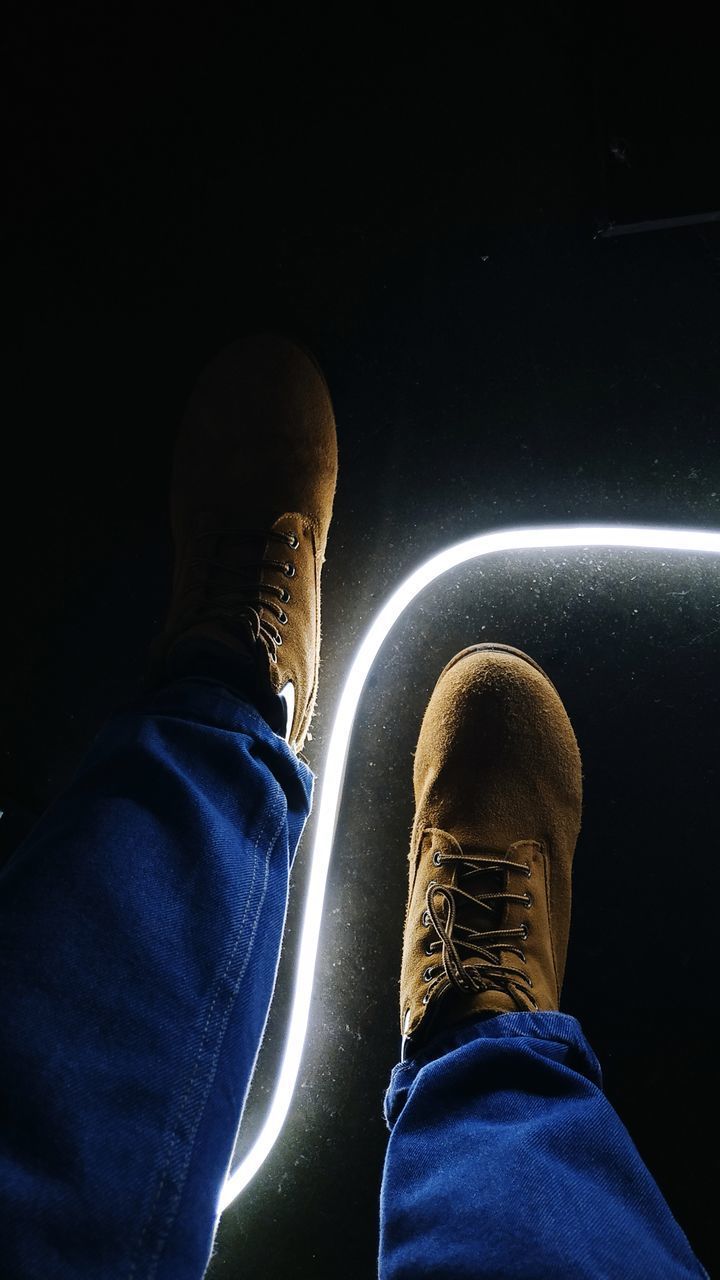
point(140, 924)
point(506, 1160)
point(140, 927)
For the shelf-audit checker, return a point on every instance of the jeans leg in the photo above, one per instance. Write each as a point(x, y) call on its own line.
point(140, 931)
point(505, 1159)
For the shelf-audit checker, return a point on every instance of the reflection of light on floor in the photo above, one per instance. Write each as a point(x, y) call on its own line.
point(539, 538)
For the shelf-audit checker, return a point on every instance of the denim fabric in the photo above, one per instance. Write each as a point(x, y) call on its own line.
point(505, 1159)
point(140, 928)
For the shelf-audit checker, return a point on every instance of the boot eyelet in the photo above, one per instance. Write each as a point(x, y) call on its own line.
point(525, 932)
point(528, 870)
point(294, 541)
point(429, 951)
point(428, 975)
point(426, 919)
point(426, 997)
point(278, 640)
point(289, 570)
point(282, 619)
point(284, 595)
point(528, 900)
point(437, 858)
point(530, 981)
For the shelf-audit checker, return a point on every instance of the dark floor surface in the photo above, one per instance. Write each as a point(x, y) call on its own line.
point(422, 207)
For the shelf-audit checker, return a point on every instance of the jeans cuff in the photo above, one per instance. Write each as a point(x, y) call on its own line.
point(562, 1029)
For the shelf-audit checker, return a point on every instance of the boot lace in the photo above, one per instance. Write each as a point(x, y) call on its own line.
point(244, 603)
point(484, 945)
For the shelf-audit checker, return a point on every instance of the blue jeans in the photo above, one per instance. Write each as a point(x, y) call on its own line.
point(140, 929)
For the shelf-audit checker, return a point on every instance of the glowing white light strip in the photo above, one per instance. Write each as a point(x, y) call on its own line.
point(541, 537)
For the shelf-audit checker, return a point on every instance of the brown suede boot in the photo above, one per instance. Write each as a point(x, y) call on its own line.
point(252, 492)
point(498, 792)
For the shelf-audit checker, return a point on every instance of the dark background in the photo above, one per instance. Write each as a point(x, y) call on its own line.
point(426, 206)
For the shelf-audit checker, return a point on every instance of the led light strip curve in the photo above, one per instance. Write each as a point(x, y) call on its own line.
point(540, 538)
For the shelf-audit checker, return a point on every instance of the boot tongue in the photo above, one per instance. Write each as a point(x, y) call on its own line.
point(234, 587)
point(480, 916)
point(235, 563)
